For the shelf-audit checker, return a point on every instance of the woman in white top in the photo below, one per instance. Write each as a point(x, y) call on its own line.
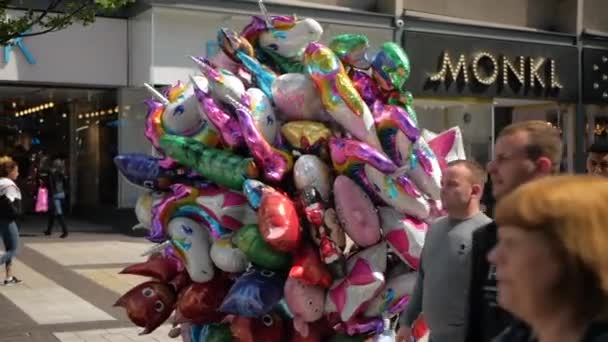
point(10, 209)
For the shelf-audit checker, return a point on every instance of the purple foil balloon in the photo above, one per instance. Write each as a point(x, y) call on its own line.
point(348, 154)
point(227, 125)
point(366, 86)
point(274, 162)
point(374, 325)
point(397, 131)
point(153, 129)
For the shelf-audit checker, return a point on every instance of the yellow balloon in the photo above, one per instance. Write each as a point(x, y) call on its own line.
point(305, 134)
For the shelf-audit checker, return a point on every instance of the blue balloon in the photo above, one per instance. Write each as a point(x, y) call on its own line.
point(255, 293)
point(263, 76)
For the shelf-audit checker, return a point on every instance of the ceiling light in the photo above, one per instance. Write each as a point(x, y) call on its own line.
point(80, 116)
point(52, 104)
point(64, 115)
point(41, 120)
point(14, 104)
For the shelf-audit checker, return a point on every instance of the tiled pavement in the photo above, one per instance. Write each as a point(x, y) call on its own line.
point(69, 287)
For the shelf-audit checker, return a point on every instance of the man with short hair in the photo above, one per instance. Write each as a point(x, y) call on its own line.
point(524, 151)
point(444, 275)
point(597, 159)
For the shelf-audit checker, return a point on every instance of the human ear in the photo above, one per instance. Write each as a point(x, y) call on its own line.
point(544, 165)
point(476, 191)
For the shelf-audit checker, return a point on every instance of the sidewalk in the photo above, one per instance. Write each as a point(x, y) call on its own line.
point(69, 286)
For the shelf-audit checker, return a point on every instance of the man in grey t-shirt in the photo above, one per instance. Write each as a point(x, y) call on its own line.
point(441, 291)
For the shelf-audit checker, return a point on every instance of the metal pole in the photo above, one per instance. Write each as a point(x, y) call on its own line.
point(580, 118)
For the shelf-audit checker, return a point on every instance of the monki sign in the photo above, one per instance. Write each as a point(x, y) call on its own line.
point(487, 69)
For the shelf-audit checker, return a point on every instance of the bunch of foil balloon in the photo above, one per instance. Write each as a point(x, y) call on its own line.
point(293, 191)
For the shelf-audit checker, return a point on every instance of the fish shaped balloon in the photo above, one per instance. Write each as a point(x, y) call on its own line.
point(339, 97)
point(215, 332)
point(404, 234)
point(254, 294)
point(148, 304)
point(351, 49)
point(250, 241)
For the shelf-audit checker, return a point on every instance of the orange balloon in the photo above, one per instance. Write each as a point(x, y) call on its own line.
point(278, 221)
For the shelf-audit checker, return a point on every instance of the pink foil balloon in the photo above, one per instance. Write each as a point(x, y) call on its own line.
point(274, 162)
point(447, 146)
point(263, 115)
point(397, 130)
point(228, 126)
point(306, 303)
point(297, 99)
point(405, 235)
point(356, 212)
point(365, 279)
point(424, 169)
point(392, 295)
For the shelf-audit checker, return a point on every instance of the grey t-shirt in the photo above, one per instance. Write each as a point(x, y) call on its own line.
point(441, 291)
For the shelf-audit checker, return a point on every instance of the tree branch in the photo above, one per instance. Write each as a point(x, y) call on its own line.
point(56, 27)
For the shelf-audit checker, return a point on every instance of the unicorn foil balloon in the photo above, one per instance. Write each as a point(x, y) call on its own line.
point(338, 94)
point(286, 36)
point(176, 111)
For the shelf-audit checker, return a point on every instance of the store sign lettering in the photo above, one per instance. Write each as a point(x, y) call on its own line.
point(18, 42)
point(486, 69)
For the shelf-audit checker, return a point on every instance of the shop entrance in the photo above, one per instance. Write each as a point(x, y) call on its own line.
point(78, 125)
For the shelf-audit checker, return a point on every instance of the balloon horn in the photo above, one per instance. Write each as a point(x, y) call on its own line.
point(265, 14)
point(157, 248)
point(207, 70)
point(160, 97)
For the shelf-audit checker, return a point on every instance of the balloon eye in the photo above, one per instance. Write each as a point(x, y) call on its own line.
point(147, 292)
point(178, 110)
point(267, 273)
point(267, 320)
point(159, 306)
point(187, 230)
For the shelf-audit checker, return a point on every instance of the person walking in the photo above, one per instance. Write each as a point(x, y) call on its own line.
point(10, 210)
point(56, 182)
point(597, 159)
point(444, 275)
point(524, 151)
point(551, 260)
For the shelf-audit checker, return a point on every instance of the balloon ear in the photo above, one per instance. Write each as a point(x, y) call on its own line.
point(120, 302)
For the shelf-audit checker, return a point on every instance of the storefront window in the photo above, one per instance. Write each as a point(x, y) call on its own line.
point(77, 125)
point(475, 119)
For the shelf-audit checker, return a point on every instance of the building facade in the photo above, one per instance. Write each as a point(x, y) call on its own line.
point(478, 64)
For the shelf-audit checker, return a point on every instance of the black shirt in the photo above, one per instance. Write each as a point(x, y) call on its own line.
point(486, 319)
point(520, 332)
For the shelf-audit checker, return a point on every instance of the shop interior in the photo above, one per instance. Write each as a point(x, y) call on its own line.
point(480, 120)
point(77, 125)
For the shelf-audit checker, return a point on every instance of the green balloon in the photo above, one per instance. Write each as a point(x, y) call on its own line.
point(249, 240)
point(394, 64)
point(219, 166)
point(216, 333)
point(351, 48)
point(284, 64)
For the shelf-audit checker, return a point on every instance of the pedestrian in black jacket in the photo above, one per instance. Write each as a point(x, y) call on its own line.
point(551, 260)
point(57, 183)
point(524, 151)
point(10, 210)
